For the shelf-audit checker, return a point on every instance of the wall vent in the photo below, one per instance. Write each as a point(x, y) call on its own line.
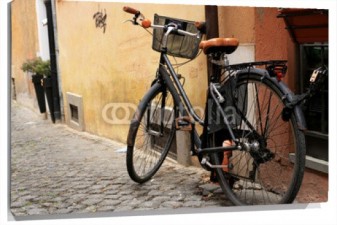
point(75, 111)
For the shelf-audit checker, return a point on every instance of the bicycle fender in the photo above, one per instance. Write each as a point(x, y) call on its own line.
point(288, 95)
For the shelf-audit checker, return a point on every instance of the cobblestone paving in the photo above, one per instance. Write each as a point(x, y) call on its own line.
point(56, 170)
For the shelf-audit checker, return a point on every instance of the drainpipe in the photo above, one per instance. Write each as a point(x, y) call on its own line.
point(53, 7)
point(56, 112)
point(212, 24)
point(212, 31)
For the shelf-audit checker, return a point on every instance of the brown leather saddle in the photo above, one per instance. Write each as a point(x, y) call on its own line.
point(222, 45)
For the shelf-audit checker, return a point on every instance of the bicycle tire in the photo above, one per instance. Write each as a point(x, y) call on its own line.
point(148, 141)
point(270, 166)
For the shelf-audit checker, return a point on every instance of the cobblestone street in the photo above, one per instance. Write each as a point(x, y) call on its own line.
point(56, 170)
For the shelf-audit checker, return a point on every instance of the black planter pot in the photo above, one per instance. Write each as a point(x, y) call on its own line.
point(48, 89)
point(39, 91)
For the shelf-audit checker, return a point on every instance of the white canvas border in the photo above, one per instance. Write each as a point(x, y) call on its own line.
point(324, 213)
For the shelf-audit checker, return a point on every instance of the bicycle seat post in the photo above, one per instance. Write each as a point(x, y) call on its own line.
point(217, 60)
point(225, 59)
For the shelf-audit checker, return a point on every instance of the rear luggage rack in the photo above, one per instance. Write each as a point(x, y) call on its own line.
point(275, 68)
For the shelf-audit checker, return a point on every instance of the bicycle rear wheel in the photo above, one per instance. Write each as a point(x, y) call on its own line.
point(269, 167)
point(151, 134)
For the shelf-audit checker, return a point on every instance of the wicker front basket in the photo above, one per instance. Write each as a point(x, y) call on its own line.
point(177, 45)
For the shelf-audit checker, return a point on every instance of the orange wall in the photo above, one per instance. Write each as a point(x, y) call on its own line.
point(273, 41)
point(261, 28)
point(24, 46)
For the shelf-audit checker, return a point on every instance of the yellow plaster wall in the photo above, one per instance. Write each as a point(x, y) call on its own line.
point(116, 66)
point(24, 46)
point(238, 22)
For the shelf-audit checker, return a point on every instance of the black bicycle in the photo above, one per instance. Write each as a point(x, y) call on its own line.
point(253, 127)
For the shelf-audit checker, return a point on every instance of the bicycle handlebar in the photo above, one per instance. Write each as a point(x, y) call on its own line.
point(131, 10)
point(146, 23)
point(201, 26)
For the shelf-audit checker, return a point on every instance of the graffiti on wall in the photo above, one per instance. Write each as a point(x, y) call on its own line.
point(100, 19)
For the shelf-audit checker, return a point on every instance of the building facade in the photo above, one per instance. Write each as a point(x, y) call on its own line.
point(105, 65)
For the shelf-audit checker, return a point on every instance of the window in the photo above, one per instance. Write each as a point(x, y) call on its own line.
point(316, 110)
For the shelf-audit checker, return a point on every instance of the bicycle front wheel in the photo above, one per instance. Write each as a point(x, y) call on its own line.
point(269, 166)
point(151, 134)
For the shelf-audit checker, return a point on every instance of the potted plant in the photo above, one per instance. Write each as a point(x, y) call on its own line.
point(44, 68)
point(37, 68)
point(41, 77)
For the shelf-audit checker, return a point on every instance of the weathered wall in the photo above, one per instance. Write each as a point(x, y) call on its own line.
point(24, 46)
point(273, 41)
point(116, 66)
point(260, 31)
point(271, 37)
point(237, 22)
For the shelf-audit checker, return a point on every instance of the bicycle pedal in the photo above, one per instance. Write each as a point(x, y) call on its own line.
point(184, 123)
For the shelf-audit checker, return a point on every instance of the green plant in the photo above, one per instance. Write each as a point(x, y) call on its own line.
point(37, 66)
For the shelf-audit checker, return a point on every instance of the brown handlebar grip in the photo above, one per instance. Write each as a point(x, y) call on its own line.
point(201, 26)
point(130, 10)
point(146, 23)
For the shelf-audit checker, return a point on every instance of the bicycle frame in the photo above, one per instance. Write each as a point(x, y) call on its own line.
point(185, 106)
point(167, 74)
point(170, 78)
